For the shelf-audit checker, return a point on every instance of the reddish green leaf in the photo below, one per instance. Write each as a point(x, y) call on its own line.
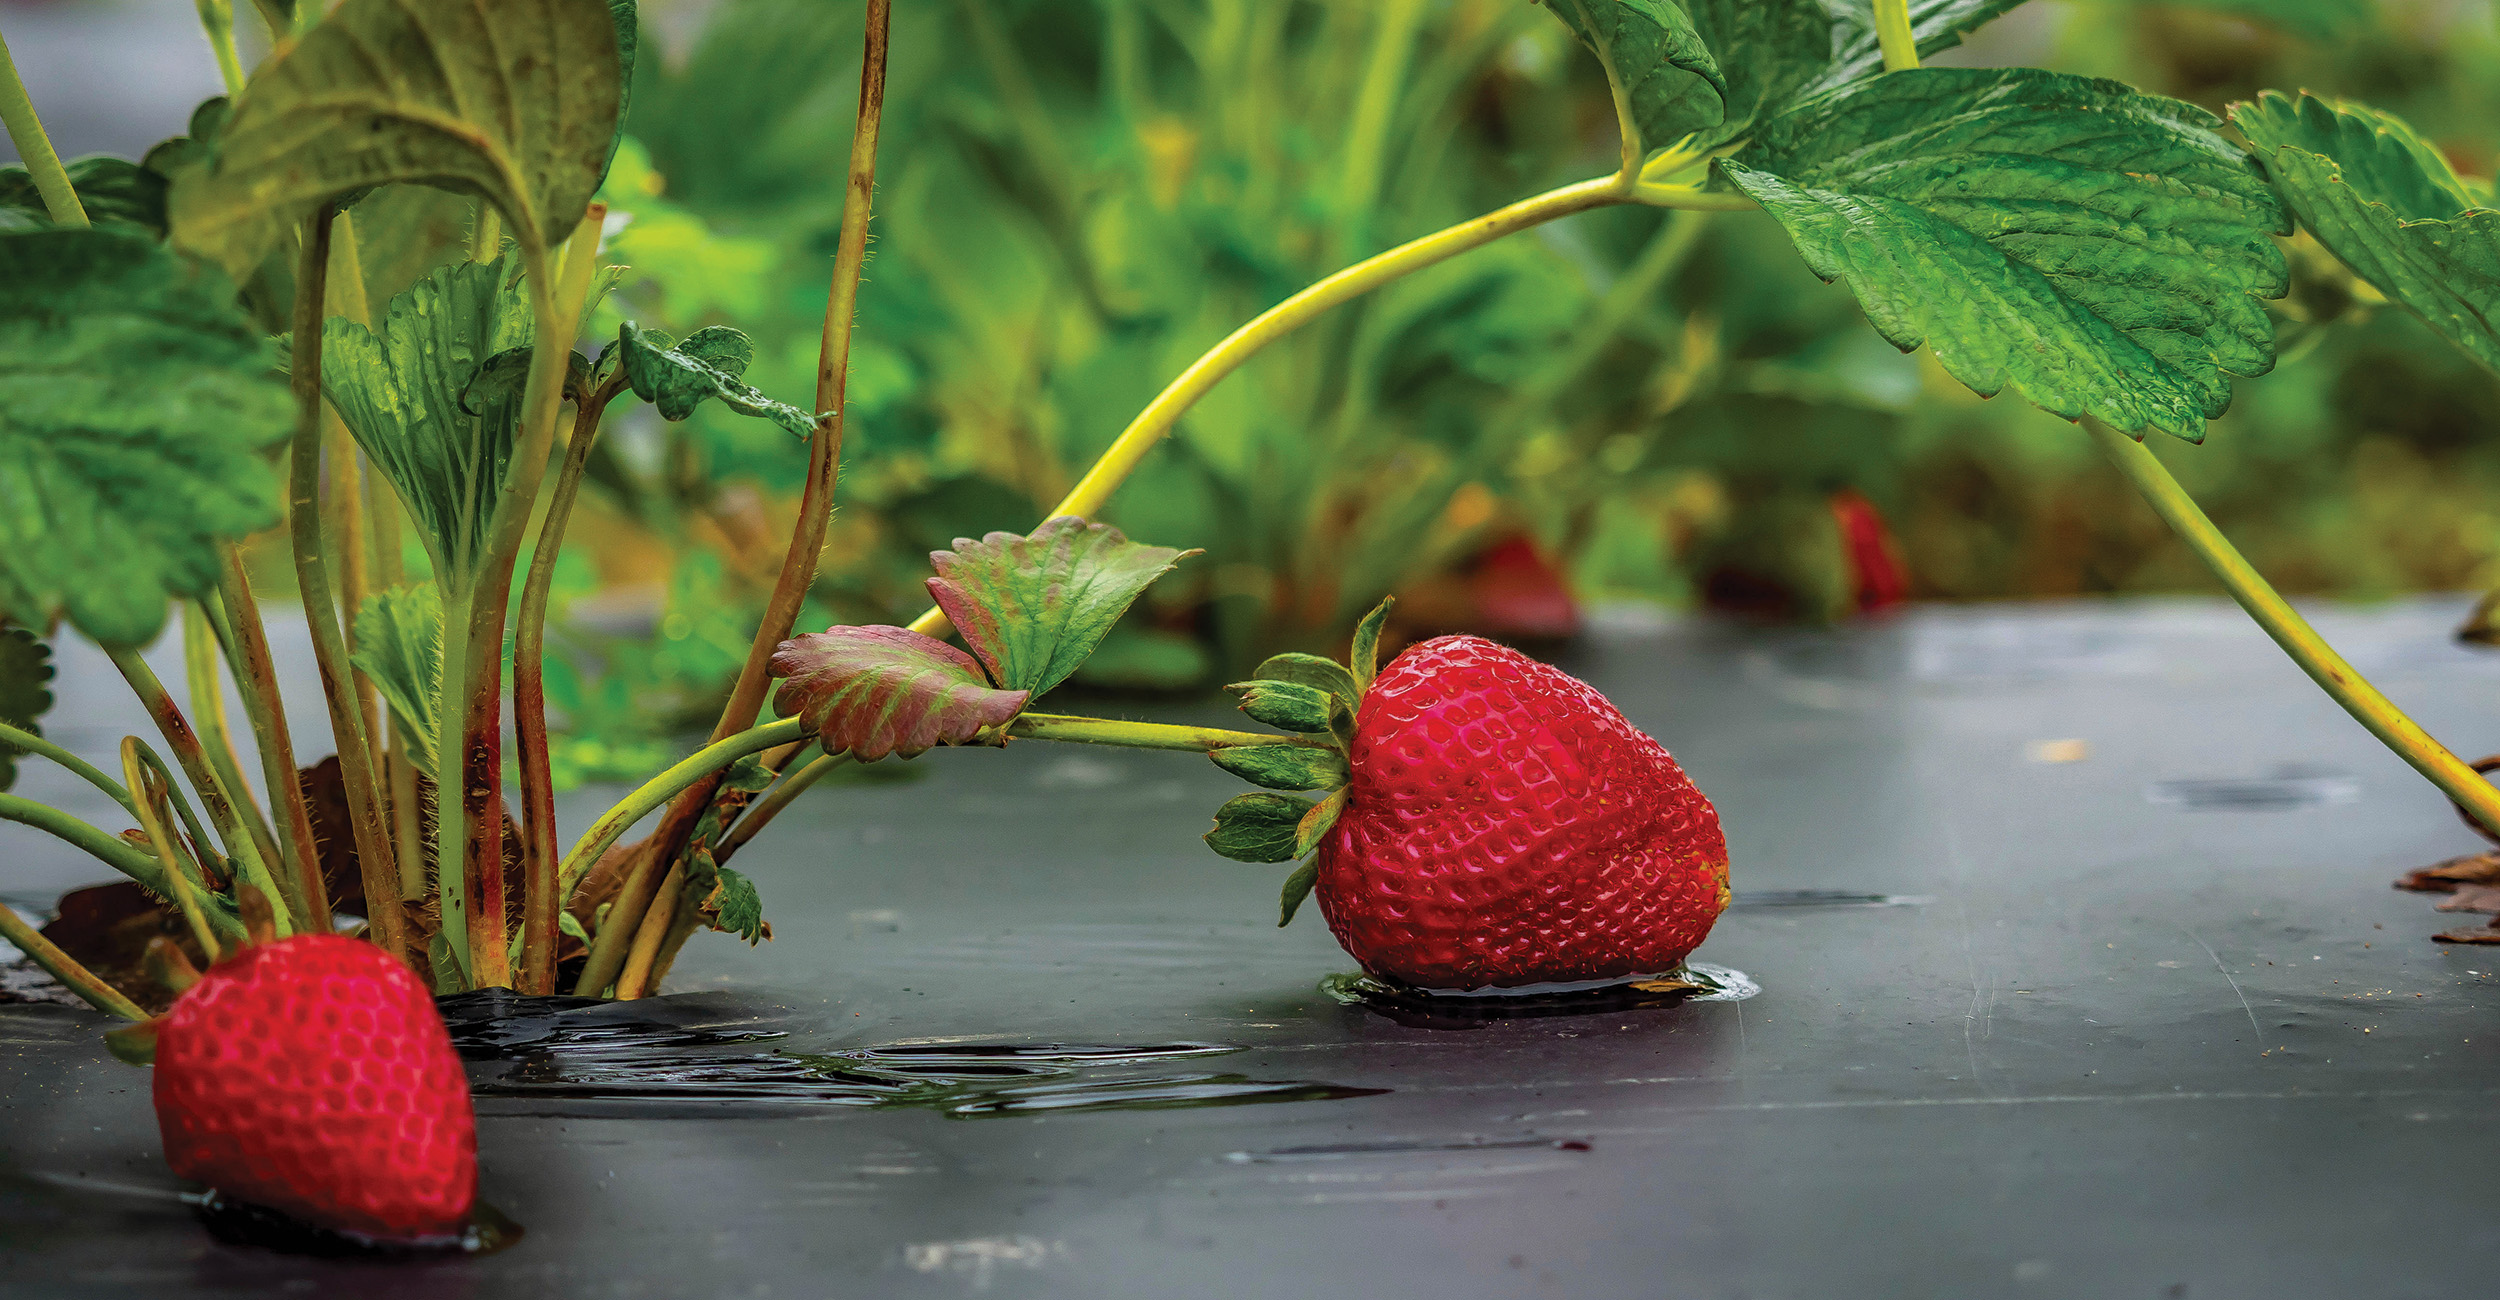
point(1034, 607)
point(874, 691)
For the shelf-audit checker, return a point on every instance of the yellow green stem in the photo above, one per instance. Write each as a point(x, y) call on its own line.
point(217, 22)
point(31, 743)
point(112, 850)
point(2349, 688)
point(1892, 30)
point(17, 114)
point(1144, 735)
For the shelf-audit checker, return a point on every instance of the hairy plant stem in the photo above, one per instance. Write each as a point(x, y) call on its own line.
point(256, 677)
point(29, 742)
point(343, 497)
point(65, 968)
point(217, 22)
point(185, 743)
point(1893, 32)
point(540, 904)
point(824, 470)
point(555, 311)
point(208, 704)
point(189, 890)
point(2349, 688)
point(17, 114)
point(112, 850)
point(367, 822)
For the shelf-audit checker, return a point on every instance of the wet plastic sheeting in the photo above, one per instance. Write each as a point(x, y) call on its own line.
point(2108, 1038)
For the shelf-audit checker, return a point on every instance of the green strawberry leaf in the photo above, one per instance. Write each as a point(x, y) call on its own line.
point(135, 403)
point(516, 102)
point(1034, 607)
point(1319, 821)
point(1258, 827)
point(2101, 251)
point(874, 691)
point(1310, 670)
point(733, 907)
point(1365, 661)
point(1297, 887)
point(1767, 50)
point(399, 645)
point(2383, 199)
point(112, 190)
point(1283, 767)
point(198, 145)
point(1289, 705)
point(1655, 59)
point(675, 377)
point(411, 397)
point(25, 690)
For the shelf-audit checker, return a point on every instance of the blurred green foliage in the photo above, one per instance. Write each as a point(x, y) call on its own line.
point(1078, 197)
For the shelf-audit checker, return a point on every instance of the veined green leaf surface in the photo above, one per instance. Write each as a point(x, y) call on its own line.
point(676, 377)
point(135, 403)
point(25, 690)
point(515, 101)
point(110, 189)
point(1663, 65)
point(399, 644)
point(1257, 827)
point(407, 395)
point(874, 691)
point(1766, 50)
point(1034, 607)
point(2385, 201)
point(2102, 252)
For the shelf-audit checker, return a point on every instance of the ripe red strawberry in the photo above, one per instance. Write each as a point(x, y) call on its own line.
point(1505, 826)
point(313, 1075)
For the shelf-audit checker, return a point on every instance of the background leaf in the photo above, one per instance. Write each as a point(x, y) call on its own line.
point(110, 189)
point(1664, 66)
point(676, 377)
point(2101, 251)
point(134, 404)
point(874, 691)
point(2383, 199)
point(516, 101)
point(25, 690)
point(400, 392)
point(399, 644)
point(1034, 607)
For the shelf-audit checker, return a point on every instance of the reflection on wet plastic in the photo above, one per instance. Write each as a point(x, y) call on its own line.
point(1824, 898)
point(1473, 1009)
point(2285, 787)
point(546, 1050)
point(242, 1223)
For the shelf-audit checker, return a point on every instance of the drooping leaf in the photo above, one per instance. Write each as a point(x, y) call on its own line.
point(25, 690)
point(399, 644)
point(135, 403)
point(112, 190)
point(676, 377)
point(1310, 670)
point(1937, 25)
point(1297, 887)
point(1257, 827)
point(1289, 705)
point(410, 395)
point(874, 691)
point(1663, 66)
point(2101, 251)
point(1034, 607)
point(733, 907)
point(515, 101)
point(1283, 767)
point(2383, 199)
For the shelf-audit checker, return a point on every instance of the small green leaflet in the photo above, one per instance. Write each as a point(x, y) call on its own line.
point(1258, 827)
point(1297, 887)
point(2383, 199)
point(407, 396)
point(135, 403)
point(874, 691)
point(111, 189)
point(1310, 670)
point(2101, 251)
point(733, 907)
point(1660, 64)
point(1365, 659)
point(1283, 767)
point(25, 690)
point(1034, 607)
point(516, 102)
point(399, 645)
point(1289, 705)
point(675, 377)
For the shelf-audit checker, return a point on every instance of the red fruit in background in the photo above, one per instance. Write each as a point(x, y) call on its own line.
point(1505, 826)
point(313, 1075)
point(1876, 574)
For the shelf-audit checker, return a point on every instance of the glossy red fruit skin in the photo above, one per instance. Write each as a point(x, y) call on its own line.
point(313, 1075)
point(1506, 826)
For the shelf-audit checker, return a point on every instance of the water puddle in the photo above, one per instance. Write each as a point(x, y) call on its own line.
point(242, 1223)
point(1447, 1009)
point(1795, 898)
point(585, 1050)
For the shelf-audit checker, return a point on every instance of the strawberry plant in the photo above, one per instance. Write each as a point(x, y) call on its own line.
point(405, 193)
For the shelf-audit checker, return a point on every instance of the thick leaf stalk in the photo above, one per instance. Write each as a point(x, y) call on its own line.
point(1892, 31)
point(2363, 701)
point(208, 702)
point(17, 113)
point(185, 744)
point(112, 850)
point(256, 675)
